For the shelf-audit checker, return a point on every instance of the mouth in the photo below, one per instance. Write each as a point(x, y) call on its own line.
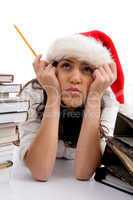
point(73, 90)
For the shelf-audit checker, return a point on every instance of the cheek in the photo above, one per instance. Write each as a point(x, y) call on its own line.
point(87, 84)
point(61, 79)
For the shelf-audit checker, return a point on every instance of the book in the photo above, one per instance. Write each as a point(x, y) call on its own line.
point(7, 125)
point(116, 166)
point(124, 144)
point(5, 171)
point(126, 110)
point(123, 126)
point(16, 117)
point(122, 141)
point(7, 129)
point(6, 78)
point(123, 151)
point(6, 147)
point(10, 88)
point(117, 159)
point(8, 134)
point(6, 156)
point(126, 140)
point(8, 139)
point(113, 172)
point(105, 177)
point(4, 95)
point(13, 105)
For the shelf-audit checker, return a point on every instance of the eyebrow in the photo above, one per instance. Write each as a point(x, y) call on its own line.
point(82, 63)
point(66, 59)
point(92, 67)
point(86, 63)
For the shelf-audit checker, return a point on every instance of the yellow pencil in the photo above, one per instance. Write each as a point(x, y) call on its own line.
point(6, 164)
point(24, 39)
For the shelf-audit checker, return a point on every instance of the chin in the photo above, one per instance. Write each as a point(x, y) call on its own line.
point(72, 102)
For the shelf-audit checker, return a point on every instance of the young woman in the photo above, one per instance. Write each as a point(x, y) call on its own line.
point(71, 105)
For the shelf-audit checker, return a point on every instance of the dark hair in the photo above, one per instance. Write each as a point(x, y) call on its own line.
point(36, 85)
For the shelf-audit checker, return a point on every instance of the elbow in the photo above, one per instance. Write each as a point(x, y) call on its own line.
point(40, 175)
point(83, 176)
point(40, 178)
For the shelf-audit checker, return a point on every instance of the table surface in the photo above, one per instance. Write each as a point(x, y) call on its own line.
point(61, 186)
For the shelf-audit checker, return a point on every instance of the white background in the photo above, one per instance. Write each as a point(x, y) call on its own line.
point(42, 21)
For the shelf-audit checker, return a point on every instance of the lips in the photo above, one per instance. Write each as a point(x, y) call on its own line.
point(73, 89)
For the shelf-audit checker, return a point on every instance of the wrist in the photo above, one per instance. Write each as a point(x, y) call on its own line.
point(94, 97)
point(52, 109)
point(93, 102)
point(52, 92)
point(53, 100)
point(92, 107)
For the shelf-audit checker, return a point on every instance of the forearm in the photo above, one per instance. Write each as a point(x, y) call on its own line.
point(41, 155)
point(88, 154)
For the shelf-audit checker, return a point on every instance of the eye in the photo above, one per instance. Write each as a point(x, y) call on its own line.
point(55, 63)
point(87, 70)
point(66, 65)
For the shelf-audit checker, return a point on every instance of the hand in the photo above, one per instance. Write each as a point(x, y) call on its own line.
point(103, 77)
point(46, 75)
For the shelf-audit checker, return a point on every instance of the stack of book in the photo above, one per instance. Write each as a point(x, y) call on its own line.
point(117, 162)
point(13, 110)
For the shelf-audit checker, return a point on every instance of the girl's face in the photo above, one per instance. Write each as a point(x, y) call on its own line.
point(75, 78)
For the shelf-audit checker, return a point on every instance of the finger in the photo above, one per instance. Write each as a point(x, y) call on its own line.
point(107, 69)
point(103, 73)
point(97, 75)
point(39, 64)
point(54, 70)
point(49, 67)
point(43, 69)
point(109, 72)
point(36, 62)
point(37, 59)
point(43, 64)
point(113, 68)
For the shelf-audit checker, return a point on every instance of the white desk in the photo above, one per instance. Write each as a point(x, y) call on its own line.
point(61, 186)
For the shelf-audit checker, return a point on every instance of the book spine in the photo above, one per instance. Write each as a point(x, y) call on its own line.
point(10, 88)
point(4, 95)
point(100, 176)
point(10, 76)
point(121, 146)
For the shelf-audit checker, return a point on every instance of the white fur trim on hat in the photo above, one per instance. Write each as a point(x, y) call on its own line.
point(80, 47)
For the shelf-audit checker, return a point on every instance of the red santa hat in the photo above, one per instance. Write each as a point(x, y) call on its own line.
point(96, 48)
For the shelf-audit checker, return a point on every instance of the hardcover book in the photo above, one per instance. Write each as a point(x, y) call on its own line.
point(6, 78)
point(117, 162)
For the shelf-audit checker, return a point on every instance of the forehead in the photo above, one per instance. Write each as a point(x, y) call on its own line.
point(74, 60)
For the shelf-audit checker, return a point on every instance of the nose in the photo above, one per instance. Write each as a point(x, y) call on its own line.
point(75, 77)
